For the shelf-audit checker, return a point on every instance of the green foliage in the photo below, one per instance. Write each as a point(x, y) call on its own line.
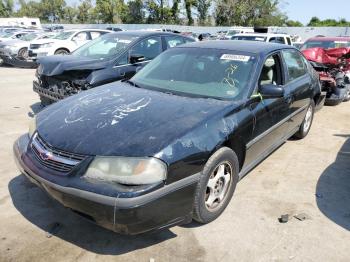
point(6, 8)
point(249, 13)
point(203, 8)
point(293, 23)
point(85, 12)
point(110, 11)
point(134, 13)
point(315, 21)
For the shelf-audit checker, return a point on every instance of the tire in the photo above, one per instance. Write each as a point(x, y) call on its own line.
point(223, 159)
point(61, 51)
point(307, 122)
point(23, 53)
point(347, 95)
point(45, 101)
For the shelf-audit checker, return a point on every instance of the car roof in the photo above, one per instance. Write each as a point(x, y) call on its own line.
point(145, 33)
point(324, 39)
point(253, 47)
point(262, 34)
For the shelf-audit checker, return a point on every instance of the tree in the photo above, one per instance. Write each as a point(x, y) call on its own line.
point(188, 6)
point(110, 11)
point(30, 9)
point(203, 7)
point(293, 23)
point(249, 13)
point(134, 12)
point(70, 14)
point(52, 10)
point(315, 21)
point(6, 8)
point(158, 12)
point(84, 11)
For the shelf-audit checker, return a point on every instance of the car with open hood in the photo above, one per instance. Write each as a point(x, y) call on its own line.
point(171, 143)
point(111, 57)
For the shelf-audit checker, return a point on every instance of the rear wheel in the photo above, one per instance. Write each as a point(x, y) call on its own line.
point(23, 53)
point(306, 125)
point(216, 186)
point(61, 52)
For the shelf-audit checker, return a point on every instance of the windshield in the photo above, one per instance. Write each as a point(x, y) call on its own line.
point(325, 44)
point(29, 37)
point(203, 72)
point(250, 38)
point(232, 32)
point(109, 45)
point(6, 34)
point(64, 35)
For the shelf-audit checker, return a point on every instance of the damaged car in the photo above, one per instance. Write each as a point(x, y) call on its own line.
point(112, 57)
point(170, 144)
point(333, 67)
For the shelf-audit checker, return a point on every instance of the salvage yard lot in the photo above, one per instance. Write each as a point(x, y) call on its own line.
point(310, 176)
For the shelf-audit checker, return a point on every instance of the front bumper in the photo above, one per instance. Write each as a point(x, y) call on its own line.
point(39, 52)
point(46, 92)
point(336, 97)
point(14, 61)
point(162, 207)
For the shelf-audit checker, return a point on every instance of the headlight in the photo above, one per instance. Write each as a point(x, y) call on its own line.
point(32, 127)
point(46, 45)
point(127, 170)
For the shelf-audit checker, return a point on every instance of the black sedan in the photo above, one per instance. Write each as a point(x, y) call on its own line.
point(109, 58)
point(171, 143)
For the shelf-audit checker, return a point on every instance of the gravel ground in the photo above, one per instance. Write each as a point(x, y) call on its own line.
point(310, 176)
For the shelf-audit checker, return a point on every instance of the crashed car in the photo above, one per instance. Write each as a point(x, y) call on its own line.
point(112, 57)
point(333, 67)
point(15, 52)
point(171, 143)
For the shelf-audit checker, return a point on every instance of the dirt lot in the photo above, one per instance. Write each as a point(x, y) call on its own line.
point(311, 176)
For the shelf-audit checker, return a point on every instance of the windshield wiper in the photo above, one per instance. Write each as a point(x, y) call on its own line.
point(132, 83)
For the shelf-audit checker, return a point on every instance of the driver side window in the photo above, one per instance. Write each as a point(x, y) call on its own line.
point(271, 71)
point(149, 48)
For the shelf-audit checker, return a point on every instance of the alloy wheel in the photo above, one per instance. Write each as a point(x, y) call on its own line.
point(218, 186)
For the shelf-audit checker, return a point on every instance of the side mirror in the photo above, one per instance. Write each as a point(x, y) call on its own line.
point(271, 91)
point(136, 59)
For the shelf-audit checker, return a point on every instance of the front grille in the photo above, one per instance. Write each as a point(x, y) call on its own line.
point(34, 46)
point(50, 157)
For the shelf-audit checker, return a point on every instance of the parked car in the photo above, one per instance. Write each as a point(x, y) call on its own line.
point(63, 43)
point(170, 144)
point(264, 37)
point(237, 30)
point(5, 36)
point(333, 67)
point(17, 49)
point(112, 57)
point(115, 29)
point(326, 42)
point(54, 28)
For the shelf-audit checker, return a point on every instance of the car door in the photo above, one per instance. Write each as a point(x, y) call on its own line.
point(298, 86)
point(270, 115)
point(149, 48)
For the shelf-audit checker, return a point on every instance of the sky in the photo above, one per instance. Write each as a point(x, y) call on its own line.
point(303, 10)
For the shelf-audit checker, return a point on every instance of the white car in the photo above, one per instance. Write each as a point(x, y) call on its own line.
point(19, 47)
point(237, 30)
point(63, 43)
point(5, 36)
point(265, 37)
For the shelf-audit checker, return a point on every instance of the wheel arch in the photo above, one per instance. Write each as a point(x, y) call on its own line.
point(62, 48)
point(238, 147)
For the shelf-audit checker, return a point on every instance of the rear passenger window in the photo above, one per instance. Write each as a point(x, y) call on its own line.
point(295, 64)
point(279, 40)
point(149, 48)
point(172, 41)
point(95, 35)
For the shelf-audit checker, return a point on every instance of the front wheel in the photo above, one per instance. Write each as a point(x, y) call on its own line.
point(61, 52)
point(307, 122)
point(216, 186)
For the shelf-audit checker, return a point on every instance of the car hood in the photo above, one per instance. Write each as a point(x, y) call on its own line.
point(118, 119)
point(47, 40)
point(57, 64)
point(14, 42)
